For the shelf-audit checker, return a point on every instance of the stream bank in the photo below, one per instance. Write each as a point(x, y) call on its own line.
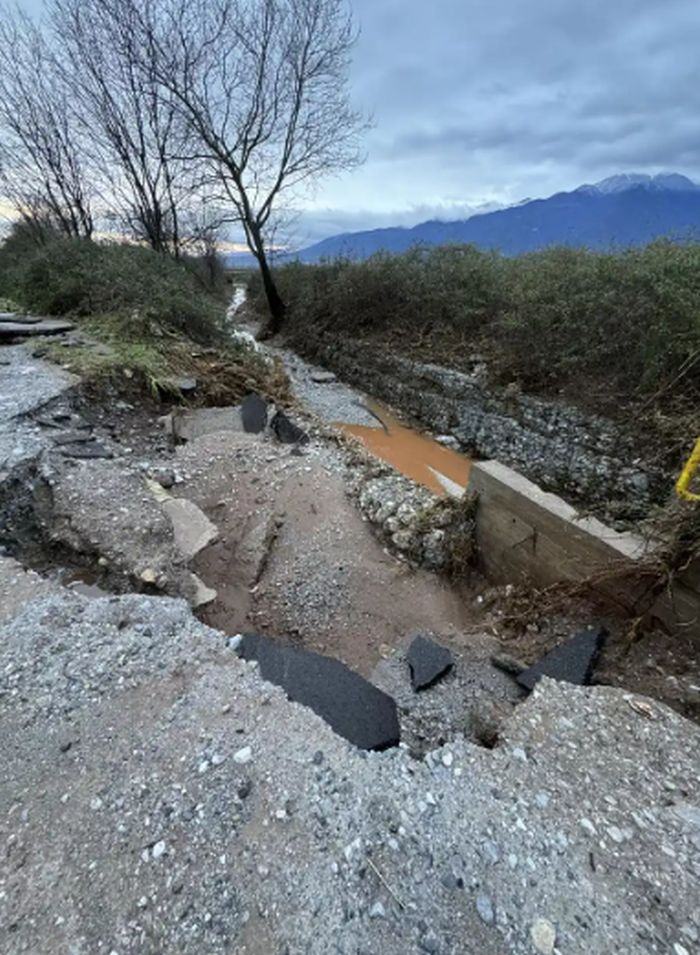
point(587, 459)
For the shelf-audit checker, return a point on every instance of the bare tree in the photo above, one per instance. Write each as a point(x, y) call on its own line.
point(137, 133)
point(42, 170)
point(263, 88)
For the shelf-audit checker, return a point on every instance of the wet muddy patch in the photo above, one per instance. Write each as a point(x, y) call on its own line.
point(412, 453)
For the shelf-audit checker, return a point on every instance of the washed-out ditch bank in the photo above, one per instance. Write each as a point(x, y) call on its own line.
point(519, 454)
point(163, 788)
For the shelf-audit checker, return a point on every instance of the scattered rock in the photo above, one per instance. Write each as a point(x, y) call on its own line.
point(73, 437)
point(185, 385)
point(573, 661)
point(200, 594)
point(353, 707)
point(322, 377)
point(165, 477)
point(192, 528)
point(243, 756)
point(484, 906)
point(254, 414)
point(430, 943)
point(286, 431)
point(92, 450)
point(428, 662)
point(543, 935)
point(448, 441)
point(158, 849)
point(508, 663)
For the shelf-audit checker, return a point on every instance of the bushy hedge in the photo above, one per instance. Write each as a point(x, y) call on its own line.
point(83, 278)
point(627, 322)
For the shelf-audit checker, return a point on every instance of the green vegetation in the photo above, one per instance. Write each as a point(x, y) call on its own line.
point(145, 319)
point(80, 278)
point(605, 329)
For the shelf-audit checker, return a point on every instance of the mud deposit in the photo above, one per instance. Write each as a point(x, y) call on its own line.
point(416, 455)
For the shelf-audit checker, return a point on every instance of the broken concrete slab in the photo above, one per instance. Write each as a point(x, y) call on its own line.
point(572, 662)
point(428, 661)
point(189, 425)
point(104, 510)
point(27, 383)
point(449, 486)
point(192, 528)
point(286, 431)
point(254, 414)
point(352, 707)
point(47, 326)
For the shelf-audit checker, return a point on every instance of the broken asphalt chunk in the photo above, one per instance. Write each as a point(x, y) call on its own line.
point(254, 413)
point(352, 707)
point(572, 662)
point(428, 662)
point(286, 431)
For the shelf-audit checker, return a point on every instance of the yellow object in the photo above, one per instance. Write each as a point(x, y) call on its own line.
point(683, 482)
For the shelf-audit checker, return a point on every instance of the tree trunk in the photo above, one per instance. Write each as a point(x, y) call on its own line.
point(274, 300)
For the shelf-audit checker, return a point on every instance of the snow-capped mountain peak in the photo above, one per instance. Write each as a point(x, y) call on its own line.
point(622, 182)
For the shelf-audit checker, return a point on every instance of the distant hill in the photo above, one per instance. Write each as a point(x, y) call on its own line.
point(624, 210)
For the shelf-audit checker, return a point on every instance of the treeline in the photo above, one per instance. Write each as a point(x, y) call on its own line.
point(608, 329)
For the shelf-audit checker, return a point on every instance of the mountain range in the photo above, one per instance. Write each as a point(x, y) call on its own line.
point(625, 210)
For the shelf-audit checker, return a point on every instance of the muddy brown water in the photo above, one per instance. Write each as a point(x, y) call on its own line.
point(416, 455)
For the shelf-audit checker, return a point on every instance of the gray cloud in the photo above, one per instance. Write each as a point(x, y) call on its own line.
point(477, 101)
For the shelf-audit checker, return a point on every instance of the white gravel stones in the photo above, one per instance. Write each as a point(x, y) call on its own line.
point(543, 935)
point(158, 849)
point(484, 906)
point(243, 756)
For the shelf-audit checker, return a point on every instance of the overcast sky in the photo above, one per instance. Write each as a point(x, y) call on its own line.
point(492, 101)
point(479, 101)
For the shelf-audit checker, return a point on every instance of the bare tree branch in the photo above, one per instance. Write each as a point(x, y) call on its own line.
point(262, 86)
point(42, 169)
point(136, 131)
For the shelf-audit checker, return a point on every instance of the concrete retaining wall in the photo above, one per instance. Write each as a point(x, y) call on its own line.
point(525, 534)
